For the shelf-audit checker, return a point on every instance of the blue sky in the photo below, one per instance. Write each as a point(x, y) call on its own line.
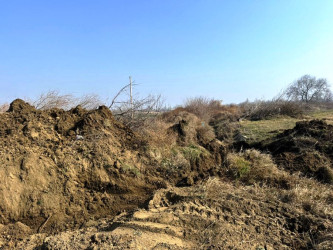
point(228, 50)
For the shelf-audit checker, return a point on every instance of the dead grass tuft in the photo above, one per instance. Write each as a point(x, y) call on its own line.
point(188, 127)
point(157, 132)
point(310, 196)
point(252, 166)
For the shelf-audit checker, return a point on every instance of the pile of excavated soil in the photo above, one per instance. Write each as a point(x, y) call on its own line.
point(199, 217)
point(307, 148)
point(65, 167)
point(60, 169)
point(194, 154)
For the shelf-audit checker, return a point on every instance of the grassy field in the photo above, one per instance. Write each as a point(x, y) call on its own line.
point(260, 130)
point(322, 115)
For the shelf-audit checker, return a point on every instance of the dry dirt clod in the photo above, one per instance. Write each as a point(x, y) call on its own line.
point(20, 106)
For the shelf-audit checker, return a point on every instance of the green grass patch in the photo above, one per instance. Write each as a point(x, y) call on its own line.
point(193, 152)
point(257, 131)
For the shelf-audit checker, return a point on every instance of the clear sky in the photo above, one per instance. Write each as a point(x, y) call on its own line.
point(229, 50)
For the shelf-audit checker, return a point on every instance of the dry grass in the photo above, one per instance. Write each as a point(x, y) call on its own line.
point(306, 195)
point(213, 186)
point(307, 199)
point(205, 133)
point(310, 196)
point(252, 166)
point(189, 128)
point(157, 132)
point(327, 116)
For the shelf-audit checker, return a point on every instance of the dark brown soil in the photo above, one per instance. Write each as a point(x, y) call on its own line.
point(68, 166)
point(307, 148)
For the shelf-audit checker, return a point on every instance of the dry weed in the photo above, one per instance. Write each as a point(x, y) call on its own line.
point(205, 133)
point(252, 166)
point(310, 196)
point(213, 186)
point(157, 132)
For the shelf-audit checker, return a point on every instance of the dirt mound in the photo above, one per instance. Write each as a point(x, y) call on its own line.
point(199, 217)
point(307, 148)
point(63, 167)
point(196, 153)
point(189, 128)
point(20, 106)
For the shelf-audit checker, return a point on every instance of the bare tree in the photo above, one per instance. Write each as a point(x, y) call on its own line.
point(134, 110)
point(309, 89)
point(261, 109)
point(203, 107)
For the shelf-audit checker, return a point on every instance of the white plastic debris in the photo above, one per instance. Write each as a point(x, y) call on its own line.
point(79, 137)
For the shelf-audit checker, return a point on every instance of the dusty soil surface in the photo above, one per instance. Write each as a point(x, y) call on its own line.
point(80, 179)
point(199, 217)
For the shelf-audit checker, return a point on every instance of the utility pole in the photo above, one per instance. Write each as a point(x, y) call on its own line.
point(131, 98)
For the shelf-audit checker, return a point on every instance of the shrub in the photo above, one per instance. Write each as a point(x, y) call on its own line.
point(260, 110)
point(202, 107)
point(89, 101)
point(206, 109)
point(53, 99)
point(216, 120)
point(188, 128)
